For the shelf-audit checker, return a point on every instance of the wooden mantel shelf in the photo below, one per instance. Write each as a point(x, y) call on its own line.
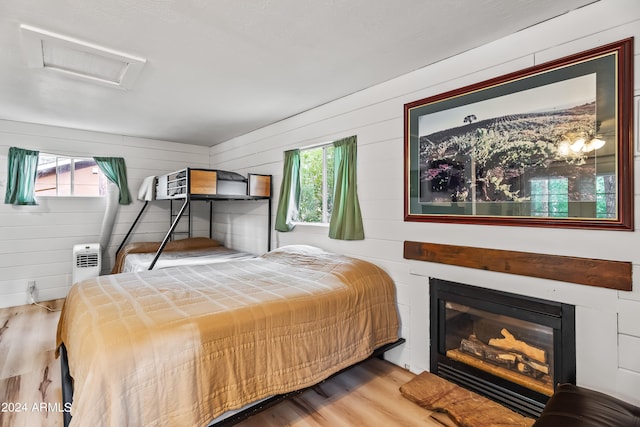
point(584, 271)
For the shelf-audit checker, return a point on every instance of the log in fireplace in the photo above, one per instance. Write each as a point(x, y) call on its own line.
point(510, 348)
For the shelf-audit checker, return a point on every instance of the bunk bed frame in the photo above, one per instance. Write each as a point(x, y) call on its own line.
point(192, 184)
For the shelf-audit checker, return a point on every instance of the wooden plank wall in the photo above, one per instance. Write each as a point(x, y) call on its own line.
point(36, 241)
point(375, 115)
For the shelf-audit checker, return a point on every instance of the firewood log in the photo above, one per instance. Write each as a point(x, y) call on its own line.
point(533, 364)
point(509, 342)
point(507, 359)
point(497, 356)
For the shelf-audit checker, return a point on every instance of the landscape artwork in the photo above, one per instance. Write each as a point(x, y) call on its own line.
point(546, 146)
point(495, 150)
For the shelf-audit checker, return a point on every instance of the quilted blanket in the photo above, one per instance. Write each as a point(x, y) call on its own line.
point(180, 346)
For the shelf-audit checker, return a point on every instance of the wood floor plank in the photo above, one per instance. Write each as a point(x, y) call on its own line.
point(29, 373)
point(365, 395)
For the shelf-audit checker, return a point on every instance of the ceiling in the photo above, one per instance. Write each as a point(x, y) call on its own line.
point(216, 69)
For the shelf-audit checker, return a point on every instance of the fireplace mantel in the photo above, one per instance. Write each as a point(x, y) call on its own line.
point(584, 271)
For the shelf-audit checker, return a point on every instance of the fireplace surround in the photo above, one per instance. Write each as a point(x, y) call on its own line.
point(510, 348)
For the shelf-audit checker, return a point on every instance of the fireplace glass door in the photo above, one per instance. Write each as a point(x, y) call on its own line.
point(511, 348)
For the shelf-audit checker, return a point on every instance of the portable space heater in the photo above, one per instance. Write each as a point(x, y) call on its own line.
point(86, 261)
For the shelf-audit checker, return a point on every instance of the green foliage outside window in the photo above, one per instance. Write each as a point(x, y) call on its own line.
point(550, 197)
point(606, 196)
point(316, 184)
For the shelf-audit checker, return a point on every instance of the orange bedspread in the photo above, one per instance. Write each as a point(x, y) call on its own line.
point(180, 346)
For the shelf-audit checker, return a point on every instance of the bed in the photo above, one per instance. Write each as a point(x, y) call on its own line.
point(138, 256)
point(184, 345)
point(186, 186)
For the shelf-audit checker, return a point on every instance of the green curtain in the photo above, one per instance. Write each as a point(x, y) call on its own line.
point(116, 171)
point(289, 192)
point(346, 218)
point(22, 170)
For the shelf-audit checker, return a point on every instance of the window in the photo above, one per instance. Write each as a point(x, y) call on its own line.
point(316, 184)
point(550, 197)
point(308, 193)
point(69, 176)
point(606, 196)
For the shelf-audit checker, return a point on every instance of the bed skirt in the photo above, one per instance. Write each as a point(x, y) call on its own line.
point(67, 390)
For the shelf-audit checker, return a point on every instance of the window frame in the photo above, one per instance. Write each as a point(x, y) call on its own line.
point(326, 215)
point(72, 161)
point(551, 198)
point(606, 195)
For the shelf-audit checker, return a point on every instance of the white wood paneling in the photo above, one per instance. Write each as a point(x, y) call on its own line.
point(375, 115)
point(596, 348)
point(629, 319)
point(628, 385)
point(629, 351)
point(36, 241)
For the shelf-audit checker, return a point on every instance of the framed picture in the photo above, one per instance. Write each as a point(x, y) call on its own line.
point(548, 146)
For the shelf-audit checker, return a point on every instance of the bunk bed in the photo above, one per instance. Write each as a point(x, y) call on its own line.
point(186, 345)
point(183, 187)
point(138, 256)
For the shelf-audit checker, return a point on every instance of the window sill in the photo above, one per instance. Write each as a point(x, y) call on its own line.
point(70, 197)
point(312, 224)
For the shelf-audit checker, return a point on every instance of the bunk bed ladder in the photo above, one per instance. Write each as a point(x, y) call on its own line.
point(269, 225)
point(126, 237)
point(173, 216)
point(169, 233)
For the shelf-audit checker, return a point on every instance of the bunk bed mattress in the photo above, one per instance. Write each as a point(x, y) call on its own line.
point(141, 261)
point(182, 345)
point(191, 251)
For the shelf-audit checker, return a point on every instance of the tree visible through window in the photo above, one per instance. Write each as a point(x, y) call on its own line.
point(606, 196)
point(550, 197)
point(69, 176)
point(316, 184)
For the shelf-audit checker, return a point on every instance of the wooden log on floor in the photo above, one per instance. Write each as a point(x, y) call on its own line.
point(465, 407)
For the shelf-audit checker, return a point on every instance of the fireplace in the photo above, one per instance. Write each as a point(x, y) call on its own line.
point(510, 348)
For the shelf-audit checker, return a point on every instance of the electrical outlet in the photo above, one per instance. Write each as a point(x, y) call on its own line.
point(31, 288)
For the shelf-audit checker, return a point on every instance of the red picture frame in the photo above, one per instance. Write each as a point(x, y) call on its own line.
point(547, 146)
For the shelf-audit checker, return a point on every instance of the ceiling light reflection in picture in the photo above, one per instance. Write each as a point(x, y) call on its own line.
point(580, 144)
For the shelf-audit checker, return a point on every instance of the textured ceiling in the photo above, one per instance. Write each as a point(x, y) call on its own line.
point(219, 69)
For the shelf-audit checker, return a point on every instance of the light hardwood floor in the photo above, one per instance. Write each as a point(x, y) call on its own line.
point(30, 391)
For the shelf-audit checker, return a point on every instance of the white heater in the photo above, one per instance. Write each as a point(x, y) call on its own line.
point(87, 261)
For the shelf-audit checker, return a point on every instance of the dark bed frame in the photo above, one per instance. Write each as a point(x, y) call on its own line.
point(190, 194)
point(67, 389)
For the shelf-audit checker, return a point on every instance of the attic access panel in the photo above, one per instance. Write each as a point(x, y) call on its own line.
point(80, 59)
